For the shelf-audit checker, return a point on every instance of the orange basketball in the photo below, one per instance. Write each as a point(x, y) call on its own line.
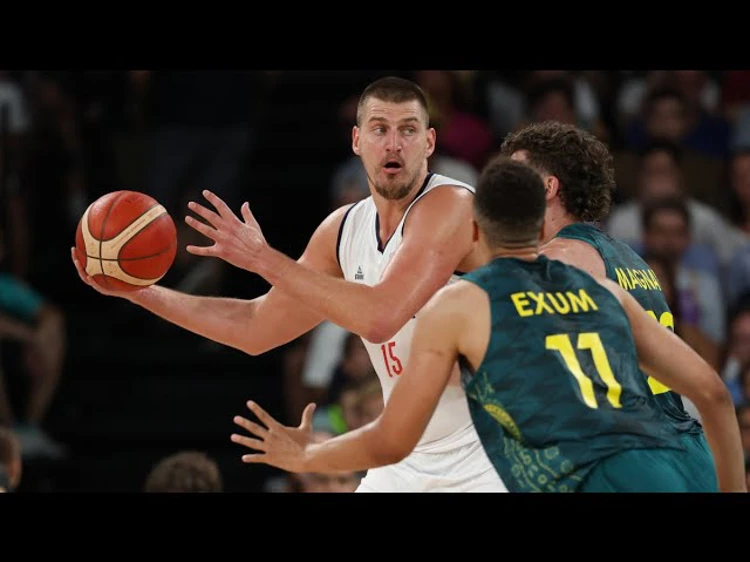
point(126, 241)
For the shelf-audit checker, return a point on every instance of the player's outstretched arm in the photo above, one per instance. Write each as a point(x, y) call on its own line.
point(395, 433)
point(253, 326)
point(668, 359)
point(437, 237)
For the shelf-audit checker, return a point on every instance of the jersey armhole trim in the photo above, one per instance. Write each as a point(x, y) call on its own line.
point(341, 232)
point(403, 224)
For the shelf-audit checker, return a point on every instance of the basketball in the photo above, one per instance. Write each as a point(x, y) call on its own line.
point(126, 240)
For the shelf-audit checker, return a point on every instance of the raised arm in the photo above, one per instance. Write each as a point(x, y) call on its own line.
point(437, 237)
point(253, 326)
point(668, 359)
point(453, 315)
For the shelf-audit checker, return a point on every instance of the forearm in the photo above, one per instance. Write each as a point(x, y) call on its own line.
point(223, 320)
point(252, 326)
point(723, 436)
point(357, 308)
point(356, 450)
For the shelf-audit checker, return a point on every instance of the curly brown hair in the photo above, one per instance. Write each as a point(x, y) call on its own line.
point(186, 471)
point(580, 161)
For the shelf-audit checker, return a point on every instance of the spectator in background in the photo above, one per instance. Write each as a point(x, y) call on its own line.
point(368, 404)
point(661, 174)
point(39, 327)
point(354, 367)
point(11, 464)
point(667, 235)
point(461, 134)
point(738, 274)
point(734, 93)
point(554, 99)
point(27, 317)
point(740, 387)
point(509, 106)
point(349, 183)
point(357, 401)
point(664, 117)
point(676, 110)
point(184, 472)
point(738, 342)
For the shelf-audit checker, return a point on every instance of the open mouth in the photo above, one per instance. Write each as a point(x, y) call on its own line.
point(392, 167)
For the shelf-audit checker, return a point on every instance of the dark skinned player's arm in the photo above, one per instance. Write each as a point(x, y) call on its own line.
point(671, 361)
point(436, 344)
point(437, 236)
point(257, 325)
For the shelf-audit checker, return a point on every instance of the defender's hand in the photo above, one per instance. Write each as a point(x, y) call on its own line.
point(283, 447)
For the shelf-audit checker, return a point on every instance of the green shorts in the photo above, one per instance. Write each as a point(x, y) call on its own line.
point(18, 300)
point(657, 470)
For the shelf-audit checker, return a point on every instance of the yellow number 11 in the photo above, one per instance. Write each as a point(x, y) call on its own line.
point(590, 341)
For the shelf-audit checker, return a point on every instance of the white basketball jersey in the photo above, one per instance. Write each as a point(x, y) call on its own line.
point(362, 262)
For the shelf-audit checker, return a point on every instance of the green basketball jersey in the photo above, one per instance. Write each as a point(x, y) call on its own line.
point(559, 387)
point(627, 268)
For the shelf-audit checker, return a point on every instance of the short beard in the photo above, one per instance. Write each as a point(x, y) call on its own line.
point(395, 191)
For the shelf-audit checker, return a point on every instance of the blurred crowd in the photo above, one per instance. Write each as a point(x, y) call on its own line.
point(681, 147)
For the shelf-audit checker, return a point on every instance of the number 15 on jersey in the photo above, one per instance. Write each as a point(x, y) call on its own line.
point(392, 362)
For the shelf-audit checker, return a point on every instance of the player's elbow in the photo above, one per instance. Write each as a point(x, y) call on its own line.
point(253, 347)
point(713, 394)
point(252, 350)
point(382, 328)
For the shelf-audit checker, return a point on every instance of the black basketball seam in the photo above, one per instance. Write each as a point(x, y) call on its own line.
point(160, 252)
point(101, 238)
point(156, 218)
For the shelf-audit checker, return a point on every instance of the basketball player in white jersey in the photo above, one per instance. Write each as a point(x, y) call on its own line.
point(369, 267)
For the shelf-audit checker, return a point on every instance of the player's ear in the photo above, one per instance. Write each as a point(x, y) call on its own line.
point(431, 137)
point(551, 186)
point(355, 140)
point(474, 231)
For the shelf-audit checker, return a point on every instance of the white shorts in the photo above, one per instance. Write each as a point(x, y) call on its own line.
point(463, 469)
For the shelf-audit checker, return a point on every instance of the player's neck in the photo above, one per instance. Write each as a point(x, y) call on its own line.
point(522, 252)
point(555, 220)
